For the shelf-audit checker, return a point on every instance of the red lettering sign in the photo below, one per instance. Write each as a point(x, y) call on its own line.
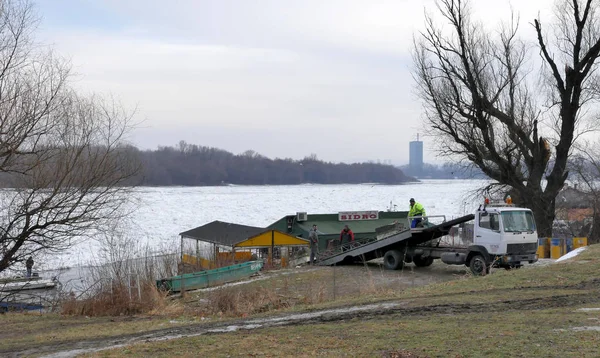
point(358, 215)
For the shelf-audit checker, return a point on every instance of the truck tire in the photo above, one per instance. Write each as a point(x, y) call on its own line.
point(478, 266)
point(392, 260)
point(421, 261)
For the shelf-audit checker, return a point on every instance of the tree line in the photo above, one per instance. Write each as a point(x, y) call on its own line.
point(195, 165)
point(445, 171)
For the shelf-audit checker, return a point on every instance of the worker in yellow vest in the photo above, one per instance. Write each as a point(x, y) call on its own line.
point(416, 211)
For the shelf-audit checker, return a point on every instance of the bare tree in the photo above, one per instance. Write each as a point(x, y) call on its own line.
point(486, 104)
point(62, 161)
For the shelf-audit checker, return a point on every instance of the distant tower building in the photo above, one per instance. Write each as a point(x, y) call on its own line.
point(416, 157)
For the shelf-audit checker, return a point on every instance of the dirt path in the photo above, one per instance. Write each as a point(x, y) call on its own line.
point(372, 311)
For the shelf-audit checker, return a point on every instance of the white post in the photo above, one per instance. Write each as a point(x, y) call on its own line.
point(139, 288)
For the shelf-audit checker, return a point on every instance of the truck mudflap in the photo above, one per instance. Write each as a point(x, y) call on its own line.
point(515, 259)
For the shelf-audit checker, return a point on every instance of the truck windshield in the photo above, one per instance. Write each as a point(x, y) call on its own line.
point(518, 221)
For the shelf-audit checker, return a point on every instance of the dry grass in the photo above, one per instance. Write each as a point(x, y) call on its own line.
point(121, 283)
point(295, 290)
point(117, 299)
point(242, 302)
point(24, 330)
point(277, 294)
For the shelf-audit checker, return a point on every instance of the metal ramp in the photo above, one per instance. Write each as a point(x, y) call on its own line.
point(386, 236)
point(363, 246)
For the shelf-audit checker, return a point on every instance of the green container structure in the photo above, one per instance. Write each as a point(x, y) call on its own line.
point(203, 279)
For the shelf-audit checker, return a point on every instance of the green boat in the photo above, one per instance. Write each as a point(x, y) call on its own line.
point(208, 278)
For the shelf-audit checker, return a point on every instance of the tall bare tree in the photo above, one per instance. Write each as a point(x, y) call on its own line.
point(489, 104)
point(62, 162)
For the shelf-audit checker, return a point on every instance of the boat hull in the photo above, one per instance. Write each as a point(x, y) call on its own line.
point(208, 278)
point(32, 293)
point(27, 285)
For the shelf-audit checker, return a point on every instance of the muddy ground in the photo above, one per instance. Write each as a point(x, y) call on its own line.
point(349, 280)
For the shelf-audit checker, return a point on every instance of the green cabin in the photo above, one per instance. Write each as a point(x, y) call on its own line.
point(362, 223)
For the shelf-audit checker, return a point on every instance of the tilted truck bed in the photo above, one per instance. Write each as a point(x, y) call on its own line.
point(391, 237)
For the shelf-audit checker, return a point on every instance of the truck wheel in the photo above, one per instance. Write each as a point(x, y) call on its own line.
point(421, 261)
point(392, 260)
point(478, 266)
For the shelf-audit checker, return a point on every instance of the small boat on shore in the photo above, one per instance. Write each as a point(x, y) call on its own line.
point(26, 283)
point(208, 278)
point(28, 293)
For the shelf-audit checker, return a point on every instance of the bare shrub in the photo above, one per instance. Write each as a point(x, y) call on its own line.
point(114, 299)
point(123, 279)
point(238, 301)
point(315, 293)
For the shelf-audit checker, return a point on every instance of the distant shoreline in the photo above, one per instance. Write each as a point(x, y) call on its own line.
point(420, 181)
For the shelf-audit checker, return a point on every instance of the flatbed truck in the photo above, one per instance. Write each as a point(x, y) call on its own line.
point(503, 236)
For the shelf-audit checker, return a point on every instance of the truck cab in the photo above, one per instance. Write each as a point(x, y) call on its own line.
point(503, 236)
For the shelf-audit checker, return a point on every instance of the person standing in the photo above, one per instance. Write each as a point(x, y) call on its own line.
point(346, 236)
point(313, 237)
point(29, 266)
point(416, 212)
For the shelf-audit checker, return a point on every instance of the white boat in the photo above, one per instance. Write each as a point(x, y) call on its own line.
point(31, 283)
point(28, 293)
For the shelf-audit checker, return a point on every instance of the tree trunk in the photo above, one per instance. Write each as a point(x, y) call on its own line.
point(543, 206)
point(543, 221)
point(594, 235)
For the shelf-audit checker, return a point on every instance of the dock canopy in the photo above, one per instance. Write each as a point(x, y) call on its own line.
point(222, 233)
point(271, 238)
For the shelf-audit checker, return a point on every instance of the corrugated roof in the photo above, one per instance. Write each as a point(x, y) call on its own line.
point(222, 233)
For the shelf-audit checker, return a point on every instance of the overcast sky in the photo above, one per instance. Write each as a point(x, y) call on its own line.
point(285, 78)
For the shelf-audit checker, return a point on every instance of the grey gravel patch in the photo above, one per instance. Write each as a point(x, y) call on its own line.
point(586, 328)
point(580, 329)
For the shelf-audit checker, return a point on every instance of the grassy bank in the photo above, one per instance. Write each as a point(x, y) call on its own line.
point(534, 311)
point(538, 333)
